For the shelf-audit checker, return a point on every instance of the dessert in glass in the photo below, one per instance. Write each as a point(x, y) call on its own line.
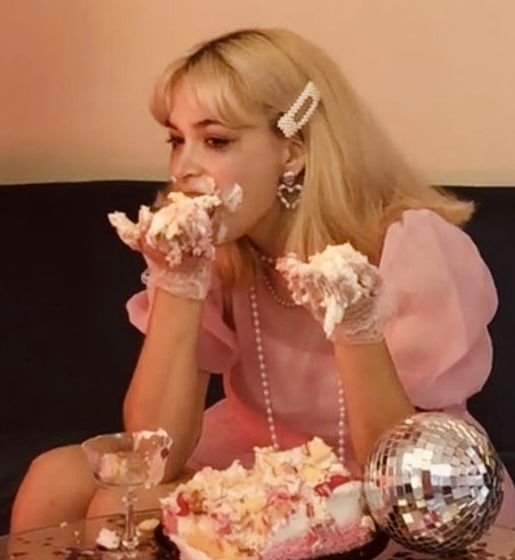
point(129, 460)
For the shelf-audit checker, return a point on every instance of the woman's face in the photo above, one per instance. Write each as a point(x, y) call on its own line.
point(252, 156)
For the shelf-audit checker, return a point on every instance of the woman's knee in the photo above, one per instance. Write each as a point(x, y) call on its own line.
point(58, 485)
point(60, 467)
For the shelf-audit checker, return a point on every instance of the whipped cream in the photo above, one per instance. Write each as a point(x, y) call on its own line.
point(154, 446)
point(108, 539)
point(143, 464)
point(184, 225)
point(233, 197)
point(113, 468)
point(245, 513)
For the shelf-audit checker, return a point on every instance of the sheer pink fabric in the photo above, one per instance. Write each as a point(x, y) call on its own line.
point(443, 298)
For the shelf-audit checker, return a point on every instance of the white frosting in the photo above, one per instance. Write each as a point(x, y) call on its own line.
point(221, 234)
point(155, 456)
point(345, 505)
point(113, 468)
point(108, 539)
point(128, 231)
point(145, 464)
point(330, 282)
point(183, 226)
point(296, 526)
point(143, 435)
point(233, 198)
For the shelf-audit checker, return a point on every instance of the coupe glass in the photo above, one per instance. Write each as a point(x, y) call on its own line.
point(130, 460)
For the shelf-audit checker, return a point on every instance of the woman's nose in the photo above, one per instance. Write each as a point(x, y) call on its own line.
point(184, 168)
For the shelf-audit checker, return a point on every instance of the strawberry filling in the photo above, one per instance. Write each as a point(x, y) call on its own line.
point(325, 489)
point(183, 505)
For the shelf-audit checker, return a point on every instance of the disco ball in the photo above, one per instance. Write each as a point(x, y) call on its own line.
point(434, 483)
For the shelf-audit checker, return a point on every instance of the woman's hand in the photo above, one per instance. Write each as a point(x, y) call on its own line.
point(341, 289)
point(176, 242)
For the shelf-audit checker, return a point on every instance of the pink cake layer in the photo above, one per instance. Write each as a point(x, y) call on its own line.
point(329, 540)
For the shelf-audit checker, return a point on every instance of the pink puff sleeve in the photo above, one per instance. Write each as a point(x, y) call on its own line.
point(444, 298)
point(217, 349)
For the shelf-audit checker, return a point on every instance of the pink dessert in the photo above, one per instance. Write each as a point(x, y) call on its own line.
point(294, 504)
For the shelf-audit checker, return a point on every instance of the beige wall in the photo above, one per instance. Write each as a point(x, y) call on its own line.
point(75, 77)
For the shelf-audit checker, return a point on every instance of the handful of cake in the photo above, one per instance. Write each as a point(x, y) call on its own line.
point(295, 504)
point(178, 239)
point(183, 226)
point(332, 283)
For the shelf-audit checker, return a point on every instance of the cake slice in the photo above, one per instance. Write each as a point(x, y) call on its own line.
point(295, 504)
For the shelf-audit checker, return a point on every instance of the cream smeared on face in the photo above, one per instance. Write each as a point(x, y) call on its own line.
point(231, 197)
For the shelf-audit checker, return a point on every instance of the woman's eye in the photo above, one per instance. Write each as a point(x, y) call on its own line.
point(213, 142)
point(174, 140)
point(217, 143)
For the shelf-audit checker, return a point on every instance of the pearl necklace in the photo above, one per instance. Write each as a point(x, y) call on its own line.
point(265, 384)
point(270, 287)
point(269, 261)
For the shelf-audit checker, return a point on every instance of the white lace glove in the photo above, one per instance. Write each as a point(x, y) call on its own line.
point(176, 241)
point(341, 289)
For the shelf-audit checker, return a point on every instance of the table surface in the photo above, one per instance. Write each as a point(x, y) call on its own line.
point(76, 541)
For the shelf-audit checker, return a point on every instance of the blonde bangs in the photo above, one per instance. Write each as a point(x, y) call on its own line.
point(160, 103)
point(216, 85)
point(219, 89)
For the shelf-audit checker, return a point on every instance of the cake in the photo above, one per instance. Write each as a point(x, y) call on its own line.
point(184, 225)
point(330, 282)
point(181, 227)
point(293, 504)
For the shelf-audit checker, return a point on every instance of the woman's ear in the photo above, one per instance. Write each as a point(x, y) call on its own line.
point(295, 156)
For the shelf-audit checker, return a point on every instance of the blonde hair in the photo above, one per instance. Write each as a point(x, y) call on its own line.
point(355, 181)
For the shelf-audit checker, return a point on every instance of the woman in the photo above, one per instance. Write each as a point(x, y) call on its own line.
point(271, 112)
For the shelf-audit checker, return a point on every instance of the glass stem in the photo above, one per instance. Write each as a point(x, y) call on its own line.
point(130, 539)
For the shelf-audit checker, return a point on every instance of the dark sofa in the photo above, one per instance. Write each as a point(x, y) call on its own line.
point(67, 350)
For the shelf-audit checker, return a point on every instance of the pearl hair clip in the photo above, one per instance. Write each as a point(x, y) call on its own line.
point(287, 123)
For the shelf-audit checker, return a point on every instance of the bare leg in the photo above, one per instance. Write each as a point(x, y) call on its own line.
point(58, 487)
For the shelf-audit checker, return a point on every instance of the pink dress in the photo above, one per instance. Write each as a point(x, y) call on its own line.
point(438, 285)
